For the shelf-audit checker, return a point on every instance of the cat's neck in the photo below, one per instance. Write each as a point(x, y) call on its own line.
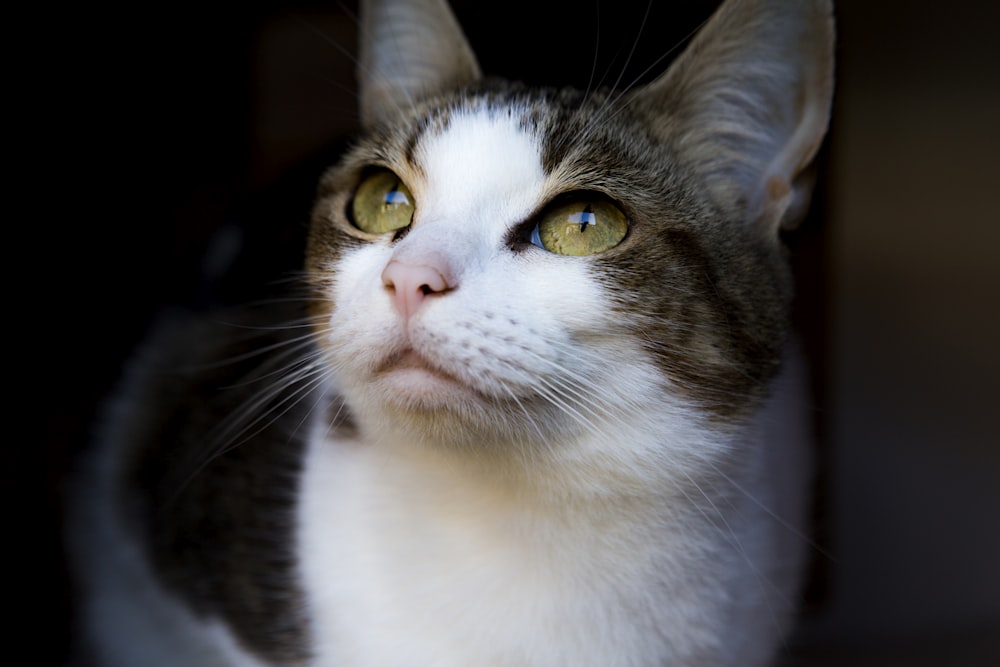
point(521, 540)
point(662, 451)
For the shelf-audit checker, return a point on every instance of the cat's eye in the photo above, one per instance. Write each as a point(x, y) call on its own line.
point(581, 227)
point(382, 204)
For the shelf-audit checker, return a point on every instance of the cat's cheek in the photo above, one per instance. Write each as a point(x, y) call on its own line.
point(569, 291)
point(360, 328)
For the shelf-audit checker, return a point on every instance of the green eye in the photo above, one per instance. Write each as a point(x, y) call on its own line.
point(382, 204)
point(581, 227)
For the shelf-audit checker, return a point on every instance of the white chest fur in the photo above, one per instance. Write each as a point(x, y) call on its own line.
point(411, 558)
point(413, 562)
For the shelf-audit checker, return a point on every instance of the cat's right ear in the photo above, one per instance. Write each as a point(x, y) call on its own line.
point(408, 50)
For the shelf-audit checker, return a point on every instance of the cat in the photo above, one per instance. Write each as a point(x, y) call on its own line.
point(539, 406)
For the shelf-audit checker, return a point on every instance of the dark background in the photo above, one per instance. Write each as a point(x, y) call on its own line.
point(150, 130)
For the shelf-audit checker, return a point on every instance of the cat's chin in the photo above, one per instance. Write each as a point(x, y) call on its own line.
point(411, 381)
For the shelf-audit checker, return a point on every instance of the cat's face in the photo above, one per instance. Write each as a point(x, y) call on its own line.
point(497, 263)
point(489, 307)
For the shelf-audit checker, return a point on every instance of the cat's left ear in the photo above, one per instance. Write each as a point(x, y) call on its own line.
point(747, 105)
point(409, 49)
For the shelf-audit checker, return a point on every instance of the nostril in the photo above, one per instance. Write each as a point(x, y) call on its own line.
point(423, 279)
point(411, 284)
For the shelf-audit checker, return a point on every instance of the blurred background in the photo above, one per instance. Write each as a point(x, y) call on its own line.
point(157, 131)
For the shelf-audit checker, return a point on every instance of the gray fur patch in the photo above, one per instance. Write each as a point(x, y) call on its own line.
point(212, 490)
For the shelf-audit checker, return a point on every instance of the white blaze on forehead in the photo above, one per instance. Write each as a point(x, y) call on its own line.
point(484, 167)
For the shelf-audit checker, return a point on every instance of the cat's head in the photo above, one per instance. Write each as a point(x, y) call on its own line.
point(498, 263)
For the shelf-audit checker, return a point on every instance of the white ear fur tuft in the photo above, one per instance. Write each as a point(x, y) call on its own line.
point(748, 103)
point(409, 50)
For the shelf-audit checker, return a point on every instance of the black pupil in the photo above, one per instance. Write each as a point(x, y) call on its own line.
point(587, 218)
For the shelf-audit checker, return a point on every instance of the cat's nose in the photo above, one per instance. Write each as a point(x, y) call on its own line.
point(411, 284)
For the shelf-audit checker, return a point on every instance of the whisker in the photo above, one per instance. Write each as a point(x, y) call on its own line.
point(569, 391)
point(597, 49)
point(762, 581)
point(610, 107)
point(781, 521)
point(527, 415)
point(340, 48)
point(635, 44)
point(228, 437)
point(262, 377)
point(304, 340)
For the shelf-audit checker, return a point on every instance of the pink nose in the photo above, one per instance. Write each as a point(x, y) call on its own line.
point(410, 284)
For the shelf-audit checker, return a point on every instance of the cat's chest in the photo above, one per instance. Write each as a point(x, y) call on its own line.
point(408, 563)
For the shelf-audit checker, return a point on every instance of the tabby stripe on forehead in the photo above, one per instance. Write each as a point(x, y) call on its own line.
point(410, 147)
point(436, 121)
point(571, 118)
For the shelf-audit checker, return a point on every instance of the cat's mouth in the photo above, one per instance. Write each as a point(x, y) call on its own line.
point(409, 358)
point(415, 381)
point(415, 370)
